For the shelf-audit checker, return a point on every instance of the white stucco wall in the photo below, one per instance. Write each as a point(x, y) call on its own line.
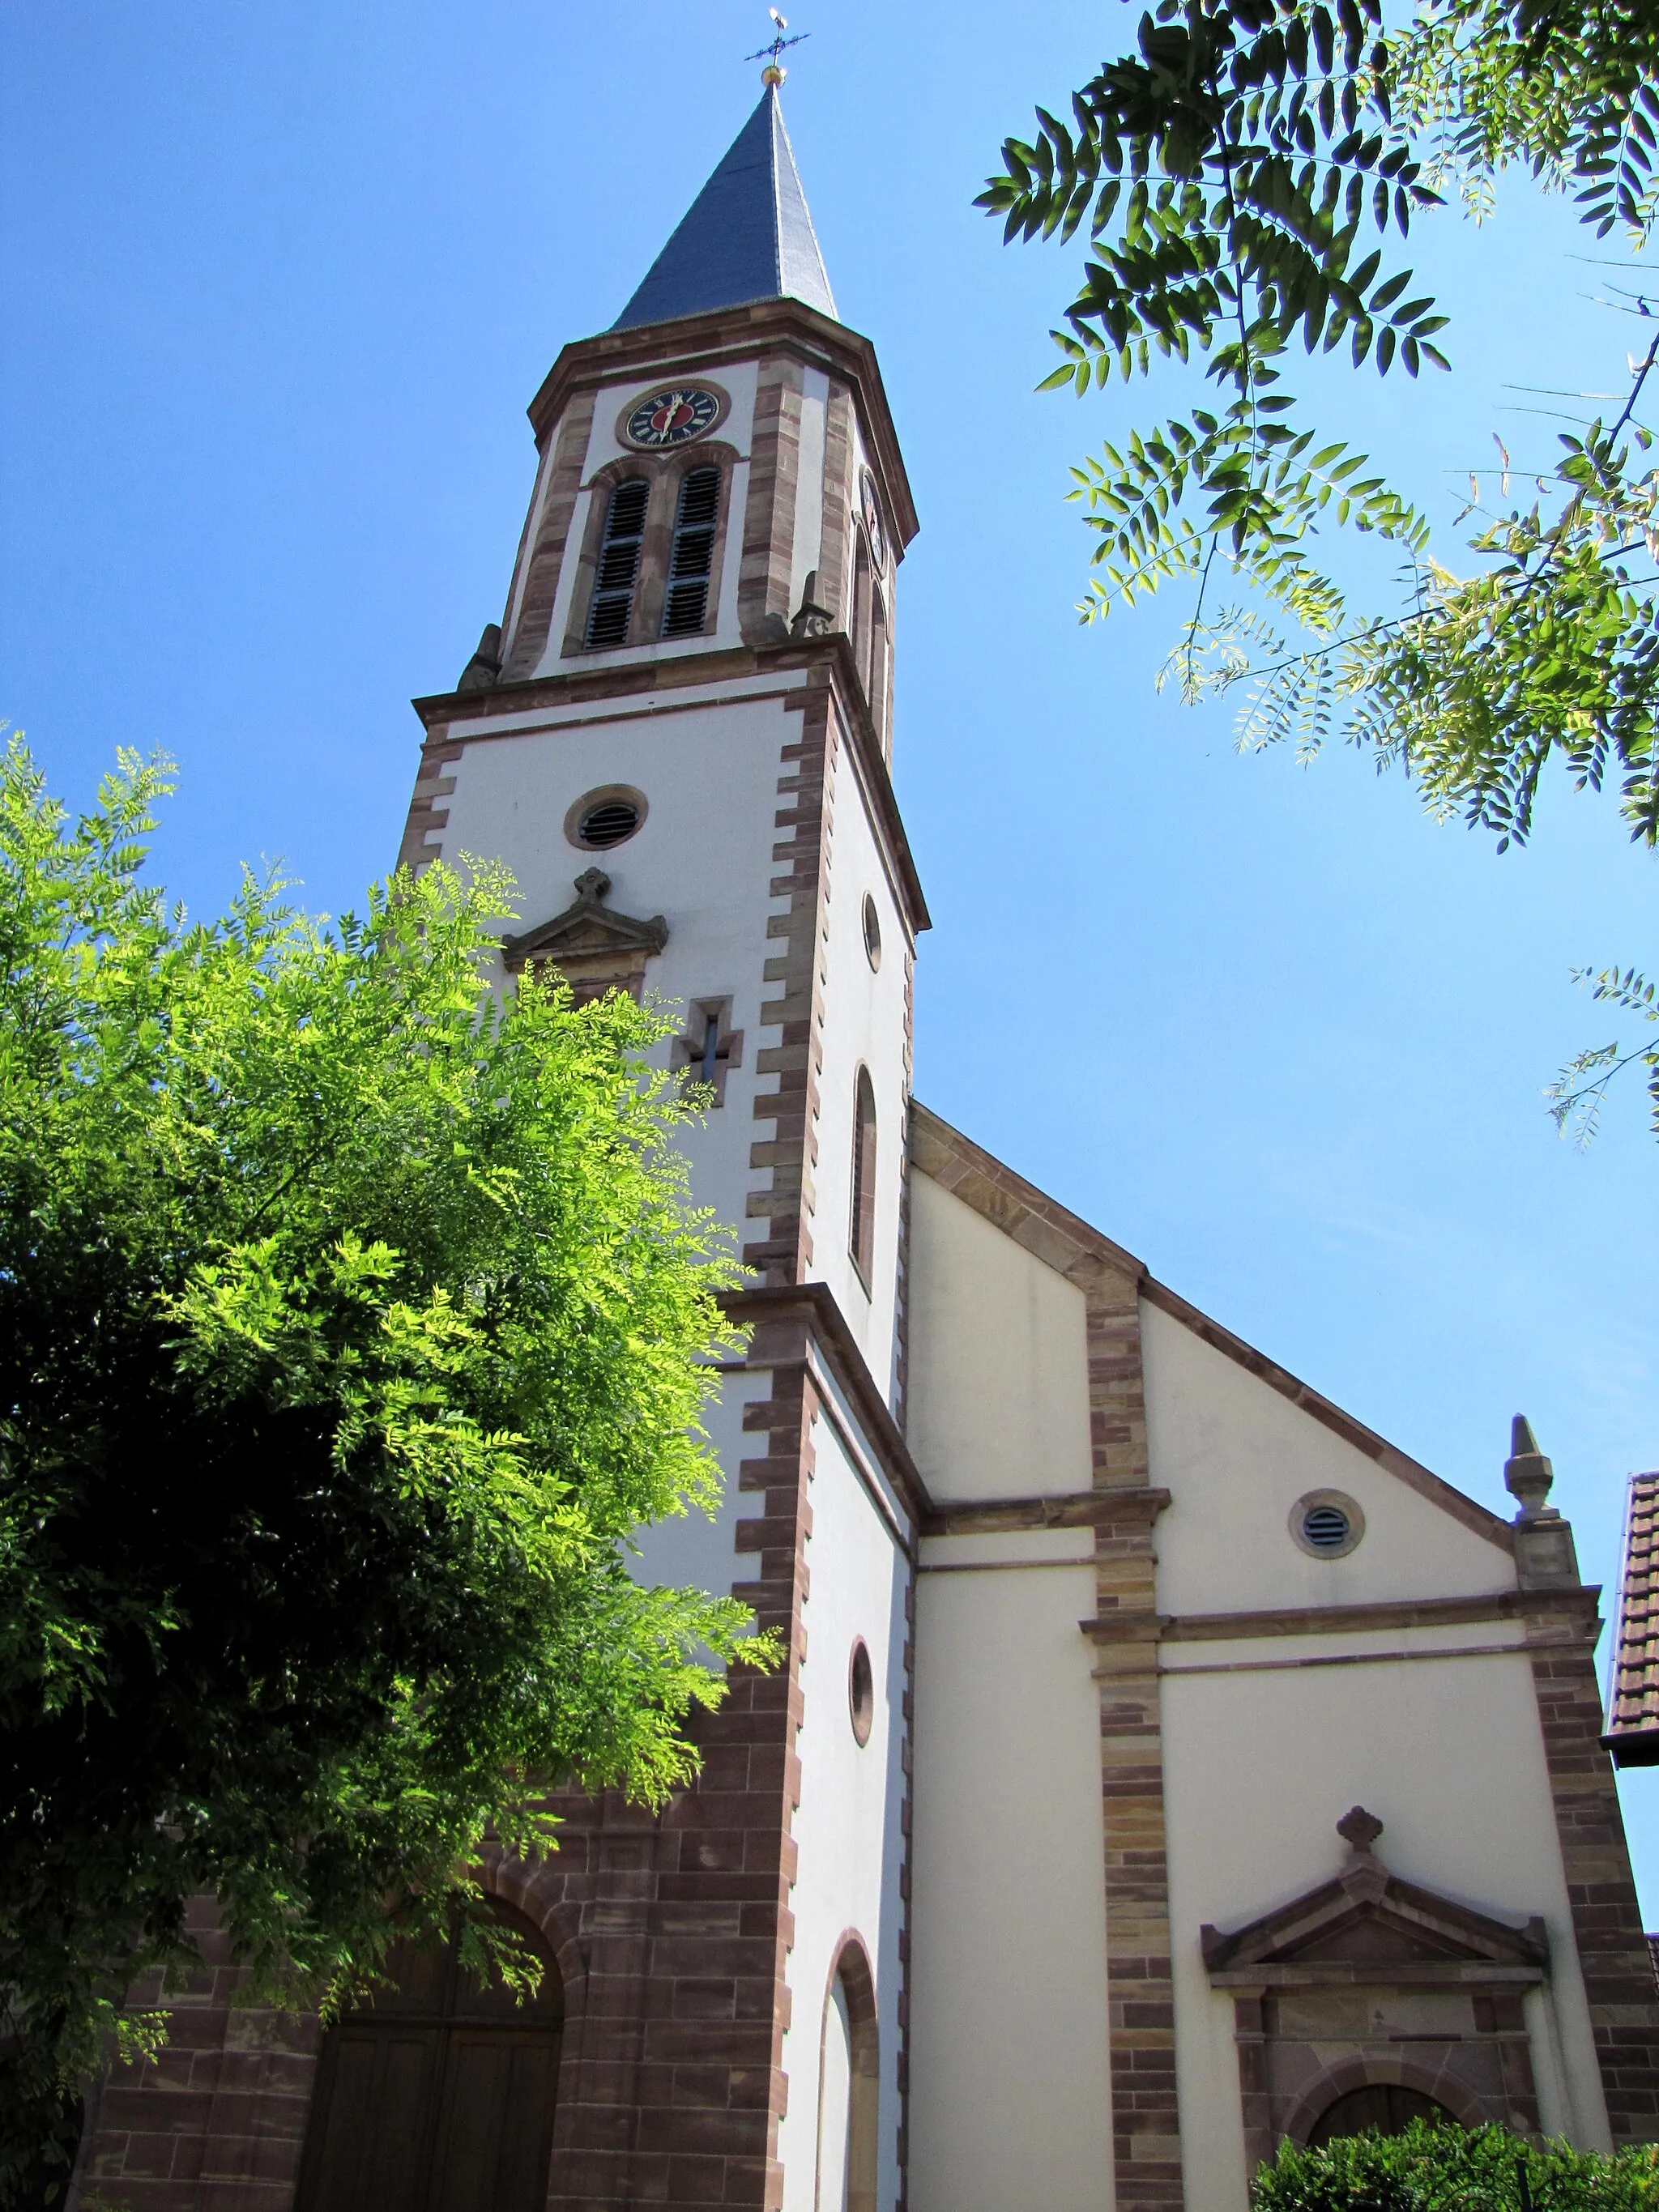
point(1009, 2070)
point(1010, 2065)
point(999, 1363)
point(846, 1827)
point(709, 774)
point(863, 1023)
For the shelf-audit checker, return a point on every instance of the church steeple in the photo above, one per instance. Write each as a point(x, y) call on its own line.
point(747, 236)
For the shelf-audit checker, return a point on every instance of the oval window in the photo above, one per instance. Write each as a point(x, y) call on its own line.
point(861, 1690)
point(872, 932)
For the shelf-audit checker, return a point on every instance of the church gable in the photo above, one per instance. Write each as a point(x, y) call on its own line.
point(1280, 1502)
point(1245, 1449)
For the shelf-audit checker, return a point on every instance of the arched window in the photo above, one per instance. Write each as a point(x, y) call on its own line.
point(876, 689)
point(849, 2088)
point(863, 1229)
point(619, 564)
point(861, 583)
point(436, 2096)
point(691, 564)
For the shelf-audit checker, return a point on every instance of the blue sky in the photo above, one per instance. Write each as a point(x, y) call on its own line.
point(280, 285)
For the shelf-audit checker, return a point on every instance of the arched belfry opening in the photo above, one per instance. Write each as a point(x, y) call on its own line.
point(437, 2094)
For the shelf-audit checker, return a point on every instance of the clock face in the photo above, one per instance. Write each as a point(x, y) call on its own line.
point(673, 418)
point(871, 503)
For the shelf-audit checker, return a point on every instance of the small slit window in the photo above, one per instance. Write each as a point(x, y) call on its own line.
point(863, 1238)
point(691, 563)
point(619, 564)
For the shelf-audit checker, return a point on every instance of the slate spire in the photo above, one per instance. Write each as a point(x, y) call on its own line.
point(747, 236)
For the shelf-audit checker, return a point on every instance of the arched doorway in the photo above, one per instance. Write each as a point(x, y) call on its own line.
point(1384, 2106)
point(437, 2095)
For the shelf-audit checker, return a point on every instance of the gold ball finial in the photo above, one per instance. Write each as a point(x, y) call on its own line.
point(774, 74)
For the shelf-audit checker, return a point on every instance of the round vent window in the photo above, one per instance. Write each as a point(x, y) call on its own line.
point(1327, 1523)
point(1326, 1528)
point(604, 819)
point(861, 1692)
point(871, 930)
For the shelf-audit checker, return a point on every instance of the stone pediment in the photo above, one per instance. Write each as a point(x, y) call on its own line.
point(592, 946)
point(1367, 1925)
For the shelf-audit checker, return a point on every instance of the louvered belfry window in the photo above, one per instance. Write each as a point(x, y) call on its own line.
point(619, 564)
point(691, 563)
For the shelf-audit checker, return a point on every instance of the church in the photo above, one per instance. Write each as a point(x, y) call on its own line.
point(1164, 1765)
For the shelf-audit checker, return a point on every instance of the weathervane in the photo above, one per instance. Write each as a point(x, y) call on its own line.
point(774, 72)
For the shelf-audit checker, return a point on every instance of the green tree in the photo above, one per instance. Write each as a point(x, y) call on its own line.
point(351, 1317)
point(1428, 2168)
point(1239, 173)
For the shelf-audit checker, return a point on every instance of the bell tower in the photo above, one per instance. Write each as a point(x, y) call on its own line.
point(677, 737)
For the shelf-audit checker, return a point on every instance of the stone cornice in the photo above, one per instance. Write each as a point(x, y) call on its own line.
point(1572, 1606)
point(706, 343)
point(813, 1306)
point(1075, 1509)
point(794, 661)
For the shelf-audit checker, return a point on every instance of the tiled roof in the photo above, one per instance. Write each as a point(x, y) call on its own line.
point(1633, 1717)
point(747, 235)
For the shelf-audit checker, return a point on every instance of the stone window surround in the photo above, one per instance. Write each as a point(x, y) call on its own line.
point(663, 473)
point(1349, 1507)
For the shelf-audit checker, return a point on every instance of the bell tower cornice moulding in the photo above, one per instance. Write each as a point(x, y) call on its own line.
point(706, 342)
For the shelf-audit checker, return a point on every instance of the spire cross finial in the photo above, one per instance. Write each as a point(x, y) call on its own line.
point(774, 72)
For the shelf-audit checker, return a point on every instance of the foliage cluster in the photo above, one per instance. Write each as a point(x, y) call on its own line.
point(351, 1317)
point(1246, 176)
point(1432, 2169)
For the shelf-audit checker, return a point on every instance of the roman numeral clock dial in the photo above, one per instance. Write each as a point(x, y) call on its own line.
point(674, 417)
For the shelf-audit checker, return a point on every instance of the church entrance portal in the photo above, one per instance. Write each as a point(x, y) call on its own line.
point(437, 2096)
point(1381, 2104)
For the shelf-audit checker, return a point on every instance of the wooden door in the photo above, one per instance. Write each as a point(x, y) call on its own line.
point(437, 2095)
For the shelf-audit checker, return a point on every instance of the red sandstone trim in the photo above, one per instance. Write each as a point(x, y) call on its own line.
point(1607, 1920)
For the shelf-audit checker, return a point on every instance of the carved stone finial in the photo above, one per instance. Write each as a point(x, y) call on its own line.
point(483, 672)
point(810, 619)
point(1527, 1475)
point(592, 885)
point(1360, 1828)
